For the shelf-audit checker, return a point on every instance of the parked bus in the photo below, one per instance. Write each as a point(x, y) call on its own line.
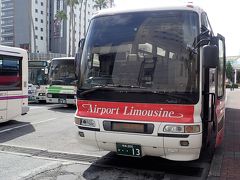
point(13, 83)
point(37, 77)
point(151, 82)
point(62, 81)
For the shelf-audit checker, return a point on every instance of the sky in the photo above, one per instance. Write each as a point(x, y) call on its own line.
point(223, 15)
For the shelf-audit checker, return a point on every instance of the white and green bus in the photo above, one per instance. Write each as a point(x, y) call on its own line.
point(62, 81)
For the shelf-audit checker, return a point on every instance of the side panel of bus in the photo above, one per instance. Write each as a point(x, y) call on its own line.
point(3, 106)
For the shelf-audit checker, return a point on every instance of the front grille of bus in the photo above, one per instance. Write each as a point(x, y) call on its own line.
point(63, 96)
point(143, 128)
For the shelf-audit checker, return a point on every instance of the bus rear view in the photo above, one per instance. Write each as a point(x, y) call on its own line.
point(140, 83)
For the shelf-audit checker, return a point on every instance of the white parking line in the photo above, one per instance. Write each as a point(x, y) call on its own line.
point(35, 107)
point(17, 127)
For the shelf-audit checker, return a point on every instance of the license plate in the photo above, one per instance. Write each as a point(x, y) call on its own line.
point(129, 150)
point(62, 101)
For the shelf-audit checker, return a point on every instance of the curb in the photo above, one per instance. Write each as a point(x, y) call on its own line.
point(31, 173)
point(216, 164)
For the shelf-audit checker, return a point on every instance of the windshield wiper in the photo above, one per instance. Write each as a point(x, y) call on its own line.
point(126, 86)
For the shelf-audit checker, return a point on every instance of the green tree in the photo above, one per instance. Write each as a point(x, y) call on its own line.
point(71, 4)
point(61, 16)
point(229, 71)
point(101, 4)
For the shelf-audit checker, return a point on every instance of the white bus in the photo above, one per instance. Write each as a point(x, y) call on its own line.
point(38, 77)
point(152, 82)
point(62, 81)
point(13, 83)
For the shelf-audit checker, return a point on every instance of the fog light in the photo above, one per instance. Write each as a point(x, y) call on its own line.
point(81, 134)
point(184, 143)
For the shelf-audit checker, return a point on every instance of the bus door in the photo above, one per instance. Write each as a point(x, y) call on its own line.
point(3, 105)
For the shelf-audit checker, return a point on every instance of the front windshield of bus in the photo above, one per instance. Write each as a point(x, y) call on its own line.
point(62, 72)
point(37, 76)
point(143, 51)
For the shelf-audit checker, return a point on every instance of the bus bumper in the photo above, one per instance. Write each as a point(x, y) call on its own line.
point(165, 147)
point(40, 98)
point(60, 101)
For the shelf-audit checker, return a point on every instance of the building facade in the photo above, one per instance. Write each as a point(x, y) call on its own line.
point(61, 32)
point(7, 22)
point(32, 25)
point(24, 23)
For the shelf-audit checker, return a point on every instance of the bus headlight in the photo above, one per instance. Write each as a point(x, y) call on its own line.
point(182, 128)
point(85, 122)
point(49, 95)
point(173, 129)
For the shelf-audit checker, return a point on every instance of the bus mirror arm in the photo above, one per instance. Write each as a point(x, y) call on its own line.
point(78, 56)
point(81, 43)
point(213, 104)
point(203, 38)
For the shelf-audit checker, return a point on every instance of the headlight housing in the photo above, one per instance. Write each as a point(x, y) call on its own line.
point(85, 122)
point(182, 128)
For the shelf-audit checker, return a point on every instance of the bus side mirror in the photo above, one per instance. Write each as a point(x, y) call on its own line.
point(78, 57)
point(210, 56)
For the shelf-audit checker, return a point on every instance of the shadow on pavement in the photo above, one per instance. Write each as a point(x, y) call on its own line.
point(112, 166)
point(14, 129)
point(63, 108)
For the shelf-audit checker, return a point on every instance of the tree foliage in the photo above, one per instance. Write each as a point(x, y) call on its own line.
point(101, 4)
point(229, 71)
point(71, 4)
point(61, 15)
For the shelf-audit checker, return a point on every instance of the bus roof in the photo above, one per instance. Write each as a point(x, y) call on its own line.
point(112, 11)
point(63, 58)
point(12, 51)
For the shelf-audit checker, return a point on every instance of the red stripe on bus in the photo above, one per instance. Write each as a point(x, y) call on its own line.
point(136, 111)
point(7, 80)
point(13, 97)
